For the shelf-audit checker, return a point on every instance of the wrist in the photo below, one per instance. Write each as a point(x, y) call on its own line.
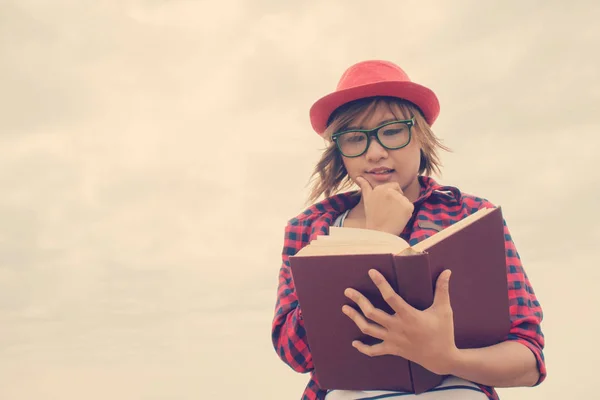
point(450, 363)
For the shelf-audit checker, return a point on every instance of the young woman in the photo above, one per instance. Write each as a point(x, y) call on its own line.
point(378, 126)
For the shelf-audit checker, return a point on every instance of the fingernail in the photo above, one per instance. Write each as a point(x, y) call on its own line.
point(374, 275)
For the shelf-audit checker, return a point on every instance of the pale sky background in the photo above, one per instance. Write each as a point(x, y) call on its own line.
point(141, 140)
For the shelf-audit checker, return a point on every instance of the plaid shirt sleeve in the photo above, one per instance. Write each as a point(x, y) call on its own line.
point(525, 310)
point(288, 333)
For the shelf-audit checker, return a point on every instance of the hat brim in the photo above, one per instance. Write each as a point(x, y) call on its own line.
point(424, 98)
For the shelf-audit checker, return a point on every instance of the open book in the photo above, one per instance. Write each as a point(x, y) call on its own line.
point(473, 248)
point(365, 241)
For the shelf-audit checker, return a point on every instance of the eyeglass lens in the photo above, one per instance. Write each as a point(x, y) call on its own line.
point(392, 136)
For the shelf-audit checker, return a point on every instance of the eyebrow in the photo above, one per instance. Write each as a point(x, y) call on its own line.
point(381, 123)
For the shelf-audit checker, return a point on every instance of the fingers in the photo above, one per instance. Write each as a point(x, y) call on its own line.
point(368, 310)
point(366, 187)
point(365, 327)
point(375, 350)
point(400, 196)
point(395, 186)
point(442, 290)
point(390, 296)
point(364, 184)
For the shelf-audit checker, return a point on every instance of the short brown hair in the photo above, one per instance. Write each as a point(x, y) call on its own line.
point(330, 175)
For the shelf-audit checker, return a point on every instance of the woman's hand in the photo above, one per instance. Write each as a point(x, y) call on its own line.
point(425, 337)
point(386, 207)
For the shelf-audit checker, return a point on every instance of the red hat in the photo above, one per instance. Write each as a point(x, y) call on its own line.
point(374, 78)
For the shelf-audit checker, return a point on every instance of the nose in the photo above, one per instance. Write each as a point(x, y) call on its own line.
point(375, 152)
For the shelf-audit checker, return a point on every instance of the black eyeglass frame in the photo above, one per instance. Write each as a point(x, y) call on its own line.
point(375, 133)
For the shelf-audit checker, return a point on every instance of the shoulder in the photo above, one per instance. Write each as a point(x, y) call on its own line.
point(331, 206)
point(453, 199)
point(316, 220)
point(474, 202)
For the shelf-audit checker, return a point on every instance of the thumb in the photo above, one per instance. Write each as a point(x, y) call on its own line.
point(364, 184)
point(442, 290)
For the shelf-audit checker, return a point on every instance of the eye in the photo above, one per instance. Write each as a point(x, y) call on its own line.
point(354, 137)
point(392, 132)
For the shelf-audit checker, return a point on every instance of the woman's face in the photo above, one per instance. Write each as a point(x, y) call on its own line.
point(379, 165)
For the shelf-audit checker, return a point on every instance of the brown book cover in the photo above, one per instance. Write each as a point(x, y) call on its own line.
point(473, 249)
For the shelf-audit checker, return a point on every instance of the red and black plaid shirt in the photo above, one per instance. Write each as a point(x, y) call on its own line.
point(442, 205)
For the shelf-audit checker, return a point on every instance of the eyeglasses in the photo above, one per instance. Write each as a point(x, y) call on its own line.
point(392, 135)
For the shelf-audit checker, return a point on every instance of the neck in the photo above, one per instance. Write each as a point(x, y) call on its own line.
point(412, 190)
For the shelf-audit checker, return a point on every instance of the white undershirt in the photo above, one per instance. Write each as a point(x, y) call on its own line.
point(452, 388)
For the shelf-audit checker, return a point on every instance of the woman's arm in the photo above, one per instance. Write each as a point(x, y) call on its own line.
point(507, 364)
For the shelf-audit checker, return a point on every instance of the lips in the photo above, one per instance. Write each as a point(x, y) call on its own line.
point(380, 171)
point(380, 174)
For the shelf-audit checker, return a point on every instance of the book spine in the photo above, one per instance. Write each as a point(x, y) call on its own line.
point(414, 283)
point(413, 279)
